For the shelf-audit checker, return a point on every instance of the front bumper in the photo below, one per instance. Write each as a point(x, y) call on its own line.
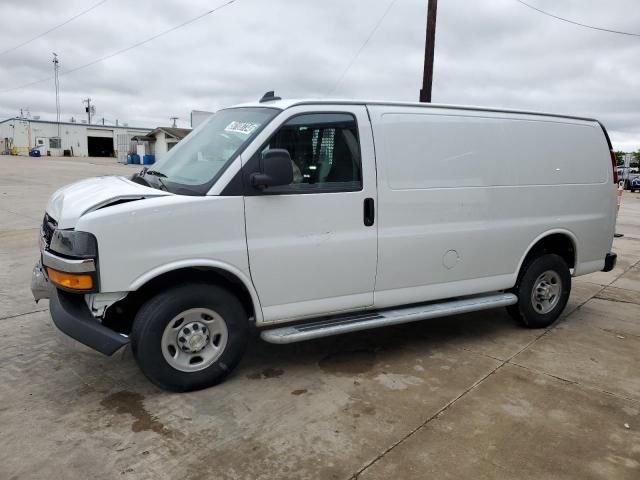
point(71, 315)
point(610, 261)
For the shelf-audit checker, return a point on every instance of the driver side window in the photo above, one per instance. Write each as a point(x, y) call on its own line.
point(324, 150)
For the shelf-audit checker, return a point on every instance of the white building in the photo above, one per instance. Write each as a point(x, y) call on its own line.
point(19, 135)
point(160, 140)
point(166, 138)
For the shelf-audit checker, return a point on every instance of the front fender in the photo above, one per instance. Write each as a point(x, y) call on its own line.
point(202, 263)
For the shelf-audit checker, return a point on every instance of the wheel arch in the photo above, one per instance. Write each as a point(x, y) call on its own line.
point(216, 270)
point(119, 316)
point(560, 241)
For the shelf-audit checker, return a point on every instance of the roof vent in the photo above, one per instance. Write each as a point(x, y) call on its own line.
point(269, 97)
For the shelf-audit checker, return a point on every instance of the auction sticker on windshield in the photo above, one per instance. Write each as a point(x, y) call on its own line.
point(246, 128)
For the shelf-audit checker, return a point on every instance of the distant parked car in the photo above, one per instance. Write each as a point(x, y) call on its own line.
point(634, 183)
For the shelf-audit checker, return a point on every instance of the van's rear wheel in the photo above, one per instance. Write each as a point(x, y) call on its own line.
point(543, 290)
point(189, 337)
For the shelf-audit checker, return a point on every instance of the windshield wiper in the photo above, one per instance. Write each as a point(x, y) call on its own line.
point(159, 176)
point(155, 173)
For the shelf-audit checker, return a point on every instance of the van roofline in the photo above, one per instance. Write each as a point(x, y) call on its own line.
point(285, 104)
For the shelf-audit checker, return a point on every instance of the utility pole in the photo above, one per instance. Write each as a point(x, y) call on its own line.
point(87, 109)
point(56, 67)
point(174, 119)
point(427, 78)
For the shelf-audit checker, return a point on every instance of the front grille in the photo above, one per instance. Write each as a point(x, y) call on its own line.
point(48, 226)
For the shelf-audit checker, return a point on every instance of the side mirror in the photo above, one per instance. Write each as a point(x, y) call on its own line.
point(275, 169)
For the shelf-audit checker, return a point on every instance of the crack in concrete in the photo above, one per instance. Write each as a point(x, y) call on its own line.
point(625, 289)
point(619, 334)
point(542, 372)
point(615, 300)
point(23, 314)
point(578, 384)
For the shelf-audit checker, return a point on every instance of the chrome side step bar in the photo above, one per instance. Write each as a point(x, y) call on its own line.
point(375, 319)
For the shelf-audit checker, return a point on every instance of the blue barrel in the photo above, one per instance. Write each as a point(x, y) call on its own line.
point(148, 160)
point(135, 159)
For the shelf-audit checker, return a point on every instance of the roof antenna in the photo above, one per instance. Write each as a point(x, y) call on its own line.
point(270, 96)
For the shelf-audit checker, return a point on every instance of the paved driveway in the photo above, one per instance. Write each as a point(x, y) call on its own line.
point(472, 396)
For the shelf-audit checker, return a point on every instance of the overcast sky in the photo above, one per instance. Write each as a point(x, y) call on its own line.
point(490, 52)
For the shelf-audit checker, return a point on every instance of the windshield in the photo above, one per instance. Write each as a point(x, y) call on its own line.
point(194, 164)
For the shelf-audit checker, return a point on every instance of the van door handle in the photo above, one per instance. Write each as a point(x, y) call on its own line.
point(369, 212)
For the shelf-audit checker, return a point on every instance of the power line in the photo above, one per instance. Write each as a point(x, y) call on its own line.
point(136, 45)
point(26, 85)
point(578, 23)
point(53, 28)
point(362, 47)
point(126, 49)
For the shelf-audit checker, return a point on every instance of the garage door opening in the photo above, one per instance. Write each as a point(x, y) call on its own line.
point(100, 146)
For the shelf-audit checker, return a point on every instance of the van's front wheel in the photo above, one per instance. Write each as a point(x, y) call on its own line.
point(543, 290)
point(189, 337)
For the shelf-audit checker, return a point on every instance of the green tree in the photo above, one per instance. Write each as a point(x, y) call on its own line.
point(620, 158)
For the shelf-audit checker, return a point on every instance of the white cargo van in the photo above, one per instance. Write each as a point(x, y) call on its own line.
point(304, 219)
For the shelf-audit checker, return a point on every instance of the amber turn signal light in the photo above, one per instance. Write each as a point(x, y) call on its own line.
point(70, 280)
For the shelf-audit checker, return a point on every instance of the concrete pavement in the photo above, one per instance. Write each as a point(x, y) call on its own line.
point(472, 396)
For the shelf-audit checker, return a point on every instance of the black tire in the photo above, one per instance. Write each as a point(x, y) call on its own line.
point(155, 315)
point(525, 311)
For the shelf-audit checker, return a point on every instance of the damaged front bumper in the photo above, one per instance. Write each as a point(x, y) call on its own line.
point(72, 316)
point(40, 286)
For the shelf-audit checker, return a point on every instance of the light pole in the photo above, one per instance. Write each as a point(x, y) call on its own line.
point(13, 136)
point(89, 109)
point(56, 67)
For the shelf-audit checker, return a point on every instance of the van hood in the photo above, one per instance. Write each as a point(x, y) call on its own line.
point(69, 203)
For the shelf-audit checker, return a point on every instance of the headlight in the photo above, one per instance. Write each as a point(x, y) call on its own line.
point(74, 244)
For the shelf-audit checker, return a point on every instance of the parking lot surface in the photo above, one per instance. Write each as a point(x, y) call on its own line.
point(471, 396)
